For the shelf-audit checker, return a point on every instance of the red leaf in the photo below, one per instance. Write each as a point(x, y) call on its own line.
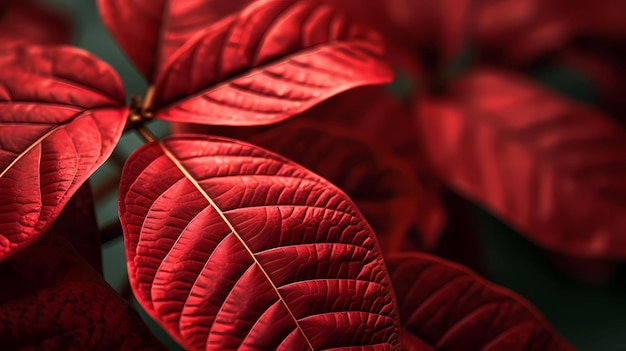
point(273, 60)
point(599, 19)
point(519, 32)
point(445, 306)
point(383, 187)
point(231, 246)
point(554, 169)
point(25, 22)
point(57, 302)
point(61, 115)
point(436, 30)
point(160, 27)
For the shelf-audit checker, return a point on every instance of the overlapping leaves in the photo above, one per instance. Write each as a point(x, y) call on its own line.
point(208, 221)
point(150, 31)
point(383, 187)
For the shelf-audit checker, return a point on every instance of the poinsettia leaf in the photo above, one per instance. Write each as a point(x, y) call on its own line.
point(518, 33)
point(229, 245)
point(150, 31)
point(383, 187)
point(27, 22)
point(58, 302)
point(552, 168)
point(445, 306)
point(61, 114)
point(270, 62)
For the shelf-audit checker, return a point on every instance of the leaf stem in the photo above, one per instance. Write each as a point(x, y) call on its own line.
point(145, 133)
point(146, 106)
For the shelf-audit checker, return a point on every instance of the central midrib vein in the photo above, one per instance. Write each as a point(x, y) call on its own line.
point(195, 183)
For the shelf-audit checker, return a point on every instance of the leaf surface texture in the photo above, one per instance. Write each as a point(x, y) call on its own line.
point(61, 114)
point(267, 63)
point(445, 306)
point(229, 246)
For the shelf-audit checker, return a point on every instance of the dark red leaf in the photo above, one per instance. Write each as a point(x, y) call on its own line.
point(383, 187)
point(78, 225)
point(231, 246)
point(58, 302)
point(27, 22)
point(61, 114)
point(552, 168)
point(445, 306)
point(435, 30)
point(518, 32)
point(271, 61)
point(150, 31)
point(599, 19)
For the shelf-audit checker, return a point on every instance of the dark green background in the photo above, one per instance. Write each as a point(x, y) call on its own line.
point(592, 317)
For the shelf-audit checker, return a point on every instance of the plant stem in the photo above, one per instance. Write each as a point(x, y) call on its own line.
point(147, 100)
point(145, 133)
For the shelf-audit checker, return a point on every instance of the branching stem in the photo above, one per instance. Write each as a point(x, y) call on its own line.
point(140, 112)
point(145, 133)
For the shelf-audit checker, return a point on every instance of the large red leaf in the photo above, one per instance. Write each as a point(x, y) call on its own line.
point(271, 61)
point(61, 114)
point(56, 301)
point(554, 169)
point(445, 306)
point(27, 22)
point(150, 31)
point(231, 246)
point(383, 187)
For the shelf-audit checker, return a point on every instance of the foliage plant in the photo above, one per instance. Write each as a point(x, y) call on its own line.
point(300, 213)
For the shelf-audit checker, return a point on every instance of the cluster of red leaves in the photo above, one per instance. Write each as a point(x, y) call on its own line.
point(233, 246)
